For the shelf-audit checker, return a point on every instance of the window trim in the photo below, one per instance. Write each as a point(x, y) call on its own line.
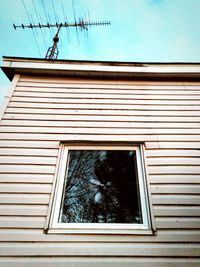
point(100, 228)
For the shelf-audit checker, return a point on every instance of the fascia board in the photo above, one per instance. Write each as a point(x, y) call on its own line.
point(30, 66)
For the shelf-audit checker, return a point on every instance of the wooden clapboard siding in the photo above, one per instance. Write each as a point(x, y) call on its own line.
point(25, 188)
point(108, 93)
point(117, 128)
point(23, 210)
point(26, 178)
point(124, 115)
point(27, 160)
point(163, 236)
point(100, 249)
point(175, 189)
point(21, 222)
point(176, 199)
point(112, 102)
point(28, 152)
point(20, 96)
point(92, 106)
point(174, 179)
point(44, 111)
point(94, 261)
point(24, 198)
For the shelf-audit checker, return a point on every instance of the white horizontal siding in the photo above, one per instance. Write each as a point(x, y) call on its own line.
point(27, 160)
point(174, 179)
point(176, 211)
point(162, 236)
point(28, 152)
point(21, 222)
point(112, 102)
point(23, 210)
point(139, 90)
point(24, 198)
point(93, 106)
point(107, 114)
point(25, 188)
point(103, 130)
point(175, 189)
point(42, 112)
point(110, 95)
point(117, 249)
point(26, 178)
point(174, 199)
point(95, 262)
point(82, 115)
point(28, 168)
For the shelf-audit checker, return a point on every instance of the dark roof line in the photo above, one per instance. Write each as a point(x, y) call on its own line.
point(108, 62)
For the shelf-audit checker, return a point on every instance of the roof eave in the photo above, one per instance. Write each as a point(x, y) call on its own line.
point(91, 69)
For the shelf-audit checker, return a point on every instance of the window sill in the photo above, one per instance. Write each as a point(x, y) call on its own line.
point(108, 231)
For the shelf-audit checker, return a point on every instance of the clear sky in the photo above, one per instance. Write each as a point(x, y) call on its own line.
point(140, 31)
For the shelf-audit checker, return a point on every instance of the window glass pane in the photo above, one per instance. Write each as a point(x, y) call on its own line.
point(101, 186)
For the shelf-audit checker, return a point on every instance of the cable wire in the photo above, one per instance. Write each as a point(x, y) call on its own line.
point(75, 22)
point(33, 29)
point(54, 11)
point(46, 18)
point(56, 19)
point(67, 29)
point(38, 22)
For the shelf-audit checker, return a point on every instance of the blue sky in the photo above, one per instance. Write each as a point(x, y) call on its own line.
point(140, 31)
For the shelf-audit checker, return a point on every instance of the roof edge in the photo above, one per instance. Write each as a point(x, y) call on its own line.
point(99, 69)
point(104, 61)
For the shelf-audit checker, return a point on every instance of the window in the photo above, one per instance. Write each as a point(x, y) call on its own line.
point(100, 189)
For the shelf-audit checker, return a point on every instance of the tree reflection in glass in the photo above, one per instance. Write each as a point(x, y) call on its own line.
point(101, 186)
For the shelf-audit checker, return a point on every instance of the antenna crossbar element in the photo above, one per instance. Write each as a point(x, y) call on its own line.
point(81, 24)
point(52, 52)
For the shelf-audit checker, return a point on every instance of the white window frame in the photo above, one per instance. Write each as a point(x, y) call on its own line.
point(100, 228)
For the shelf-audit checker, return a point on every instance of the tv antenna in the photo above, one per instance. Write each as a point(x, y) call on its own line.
point(52, 52)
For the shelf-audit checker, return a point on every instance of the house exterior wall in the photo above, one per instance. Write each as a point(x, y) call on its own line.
point(42, 112)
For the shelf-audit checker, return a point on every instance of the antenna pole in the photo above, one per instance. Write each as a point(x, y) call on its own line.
point(52, 52)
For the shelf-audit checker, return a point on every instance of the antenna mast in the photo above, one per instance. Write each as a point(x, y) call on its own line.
point(52, 52)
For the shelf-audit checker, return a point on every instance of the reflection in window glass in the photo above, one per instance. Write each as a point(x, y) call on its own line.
point(101, 187)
